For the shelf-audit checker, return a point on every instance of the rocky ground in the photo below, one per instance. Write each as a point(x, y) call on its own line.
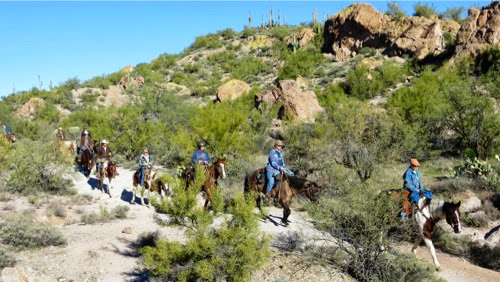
point(105, 251)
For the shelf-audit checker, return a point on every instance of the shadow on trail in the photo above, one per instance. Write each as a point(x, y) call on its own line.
point(126, 196)
point(93, 182)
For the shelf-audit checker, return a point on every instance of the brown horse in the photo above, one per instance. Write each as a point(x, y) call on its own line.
point(107, 172)
point(11, 137)
point(212, 174)
point(284, 191)
point(87, 162)
point(151, 184)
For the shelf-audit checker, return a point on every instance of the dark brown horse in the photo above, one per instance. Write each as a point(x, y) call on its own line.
point(213, 172)
point(107, 172)
point(284, 191)
point(151, 184)
point(86, 162)
point(11, 137)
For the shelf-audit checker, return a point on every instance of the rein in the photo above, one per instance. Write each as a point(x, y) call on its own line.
point(421, 210)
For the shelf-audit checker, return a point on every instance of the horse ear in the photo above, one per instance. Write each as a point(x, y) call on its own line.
point(458, 204)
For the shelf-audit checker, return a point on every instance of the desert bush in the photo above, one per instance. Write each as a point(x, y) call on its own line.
point(280, 32)
point(484, 255)
point(362, 83)
point(72, 83)
point(38, 167)
point(302, 62)
point(424, 10)
point(248, 68)
point(99, 82)
point(362, 230)
point(6, 258)
point(164, 61)
point(394, 11)
point(453, 13)
point(56, 208)
point(22, 233)
point(227, 33)
point(118, 212)
point(192, 68)
point(210, 41)
point(230, 252)
point(248, 31)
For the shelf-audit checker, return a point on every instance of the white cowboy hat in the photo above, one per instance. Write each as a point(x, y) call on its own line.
point(85, 132)
point(104, 141)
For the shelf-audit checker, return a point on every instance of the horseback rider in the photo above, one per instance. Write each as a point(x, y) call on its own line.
point(86, 143)
point(6, 129)
point(145, 162)
point(60, 134)
point(275, 165)
point(200, 156)
point(412, 188)
point(83, 132)
point(103, 154)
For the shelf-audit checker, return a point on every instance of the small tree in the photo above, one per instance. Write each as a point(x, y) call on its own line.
point(394, 11)
point(453, 14)
point(424, 10)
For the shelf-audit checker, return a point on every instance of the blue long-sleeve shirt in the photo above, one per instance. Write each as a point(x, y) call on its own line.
point(275, 161)
point(7, 129)
point(143, 160)
point(200, 155)
point(412, 180)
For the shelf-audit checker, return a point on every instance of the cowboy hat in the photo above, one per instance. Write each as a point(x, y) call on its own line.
point(146, 151)
point(104, 141)
point(278, 143)
point(414, 162)
point(201, 144)
point(85, 132)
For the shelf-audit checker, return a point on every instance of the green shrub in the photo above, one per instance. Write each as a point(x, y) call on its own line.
point(6, 259)
point(56, 208)
point(38, 167)
point(364, 230)
point(231, 252)
point(280, 32)
point(182, 205)
point(227, 33)
point(22, 233)
point(453, 13)
point(210, 41)
point(484, 255)
point(192, 68)
point(394, 11)
point(362, 83)
point(72, 83)
point(302, 62)
point(119, 212)
point(164, 61)
point(249, 68)
point(424, 10)
point(247, 32)
point(99, 82)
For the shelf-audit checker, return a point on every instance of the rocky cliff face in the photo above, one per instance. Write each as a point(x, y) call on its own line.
point(480, 30)
point(360, 25)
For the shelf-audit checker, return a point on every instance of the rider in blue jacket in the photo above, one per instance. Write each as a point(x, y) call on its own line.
point(413, 187)
point(146, 161)
point(200, 156)
point(275, 165)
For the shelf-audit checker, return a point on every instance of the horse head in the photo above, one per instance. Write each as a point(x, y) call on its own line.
point(111, 169)
point(453, 216)
point(219, 166)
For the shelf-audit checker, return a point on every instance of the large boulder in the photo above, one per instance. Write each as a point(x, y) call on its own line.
point(297, 103)
point(360, 26)
point(469, 201)
point(28, 109)
point(480, 30)
point(232, 89)
point(180, 90)
point(105, 97)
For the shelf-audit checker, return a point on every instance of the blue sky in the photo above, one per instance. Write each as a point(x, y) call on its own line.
point(55, 41)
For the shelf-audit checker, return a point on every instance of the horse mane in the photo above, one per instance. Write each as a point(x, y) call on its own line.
point(436, 208)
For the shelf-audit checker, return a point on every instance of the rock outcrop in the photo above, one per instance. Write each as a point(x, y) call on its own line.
point(480, 30)
point(28, 109)
point(131, 82)
point(301, 37)
point(232, 89)
point(297, 103)
point(360, 26)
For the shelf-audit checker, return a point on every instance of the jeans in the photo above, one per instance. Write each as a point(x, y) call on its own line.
point(99, 164)
point(143, 170)
point(270, 180)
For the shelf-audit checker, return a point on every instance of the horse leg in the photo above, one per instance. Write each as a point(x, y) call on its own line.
point(417, 242)
point(429, 244)
point(286, 212)
point(133, 195)
point(142, 195)
point(109, 186)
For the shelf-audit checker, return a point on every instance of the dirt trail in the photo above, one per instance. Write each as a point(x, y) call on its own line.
point(101, 252)
point(454, 268)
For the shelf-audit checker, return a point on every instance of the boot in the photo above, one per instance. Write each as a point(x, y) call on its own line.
point(267, 198)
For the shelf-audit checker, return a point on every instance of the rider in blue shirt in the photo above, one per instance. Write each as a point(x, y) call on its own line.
point(146, 161)
point(413, 187)
point(6, 129)
point(275, 165)
point(200, 156)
